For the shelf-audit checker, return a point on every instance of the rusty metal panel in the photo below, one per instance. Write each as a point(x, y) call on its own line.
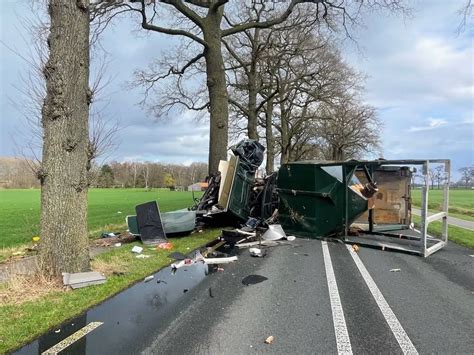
point(392, 203)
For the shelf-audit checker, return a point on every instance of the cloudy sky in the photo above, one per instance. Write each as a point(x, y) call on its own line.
point(420, 78)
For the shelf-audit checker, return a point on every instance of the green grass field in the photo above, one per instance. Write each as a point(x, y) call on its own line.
point(461, 202)
point(20, 210)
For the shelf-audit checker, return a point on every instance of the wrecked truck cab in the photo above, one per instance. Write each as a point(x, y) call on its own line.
point(313, 198)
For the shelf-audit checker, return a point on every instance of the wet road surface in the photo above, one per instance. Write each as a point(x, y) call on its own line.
point(430, 306)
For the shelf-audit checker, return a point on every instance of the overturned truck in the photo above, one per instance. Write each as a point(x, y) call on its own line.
point(363, 202)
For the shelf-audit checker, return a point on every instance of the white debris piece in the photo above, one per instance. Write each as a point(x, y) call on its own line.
point(83, 279)
point(274, 232)
point(137, 249)
point(211, 261)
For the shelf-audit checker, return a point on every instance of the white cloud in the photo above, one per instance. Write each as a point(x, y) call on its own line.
point(432, 123)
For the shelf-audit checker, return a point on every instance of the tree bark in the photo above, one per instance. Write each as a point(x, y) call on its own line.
point(269, 137)
point(217, 87)
point(285, 135)
point(64, 240)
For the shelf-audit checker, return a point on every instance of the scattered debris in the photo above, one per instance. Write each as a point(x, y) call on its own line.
point(35, 239)
point(123, 238)
point(83, 279)
point(211, 261)
point(253, 279)
point(274, 232)
point(142, 256)
point(57, 331)
point(185, 290)
point(137, 249)
point(220, 269)
point(166, 246)
point(150, 224)
point(355, 248)
point(148, 278)
point(210, 293)
point(256, 252)
point(161, 282)
point(290, 238)
point(395, 270)
point(117, 245)
point(270, 339)
point(267, 243)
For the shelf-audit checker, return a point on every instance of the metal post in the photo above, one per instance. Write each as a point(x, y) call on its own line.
point(447, 170)
point(424, 208)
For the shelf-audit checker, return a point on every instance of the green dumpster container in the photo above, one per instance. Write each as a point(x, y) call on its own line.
point(318, 199)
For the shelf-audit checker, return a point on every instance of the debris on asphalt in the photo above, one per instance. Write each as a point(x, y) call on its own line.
point(253, 279)
point(355, 248)
point(226, 260)
point(148, 278)
point(256, 252)
point(185, 290)
point(83, 279)
point(137, 249)
point(270, 339)
point(220, 269)
point(290, 238)
point(395, 270)
point(274, 232)
point(210, 293)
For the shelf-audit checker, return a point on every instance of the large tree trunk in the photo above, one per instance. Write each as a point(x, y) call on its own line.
point(217, 87)
point(285, 135)
point(269, 137)
point(64, 241)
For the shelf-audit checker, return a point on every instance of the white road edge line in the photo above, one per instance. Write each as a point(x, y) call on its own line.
point(340, 328)
point(63, 344)
point(402, 337)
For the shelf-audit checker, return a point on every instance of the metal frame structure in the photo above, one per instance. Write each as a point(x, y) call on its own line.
point(420, 242)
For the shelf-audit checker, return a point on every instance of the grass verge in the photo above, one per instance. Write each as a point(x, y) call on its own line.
point(22, 320)
point(455, 234)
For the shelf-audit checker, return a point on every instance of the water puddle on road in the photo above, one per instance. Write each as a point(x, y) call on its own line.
point(129, 318)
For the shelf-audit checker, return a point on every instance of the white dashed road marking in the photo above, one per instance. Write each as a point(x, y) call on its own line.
point(63, 344)
point(403, 340)
point(342, 336)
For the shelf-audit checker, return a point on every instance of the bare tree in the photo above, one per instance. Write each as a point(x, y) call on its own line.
point(206, 23)
point(64, 239)
point(465, 12)
point(350, 130)
point(467, 175)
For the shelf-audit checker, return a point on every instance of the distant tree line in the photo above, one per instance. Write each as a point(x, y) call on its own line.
point(149, 175)
point(16, 173)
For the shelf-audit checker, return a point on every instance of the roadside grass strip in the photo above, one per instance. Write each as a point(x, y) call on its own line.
point(402, 337)
point(340, 328)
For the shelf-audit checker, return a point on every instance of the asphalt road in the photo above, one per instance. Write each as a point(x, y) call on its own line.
point(462, 223)
point(431, 303)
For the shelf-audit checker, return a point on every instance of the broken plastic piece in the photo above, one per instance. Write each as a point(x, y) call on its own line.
point(274, 232)
point(166, 246)
point(148, 278)
point(395, 270)
point(256, 252)
point(211, 261)
point(290, 238)
point(270, 339)
point(142, 256)
point(137, 249)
